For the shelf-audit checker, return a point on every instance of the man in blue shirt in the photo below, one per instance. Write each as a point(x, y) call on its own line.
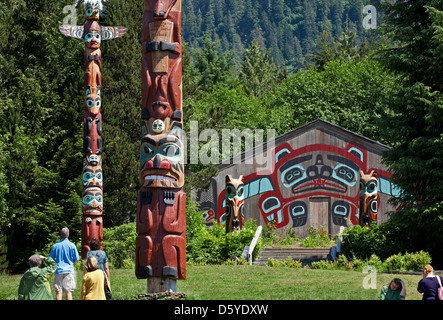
point(65, 254)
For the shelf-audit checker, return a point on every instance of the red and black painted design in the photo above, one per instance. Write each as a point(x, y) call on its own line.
point(161, 210)
point(93, 34)
point(317, 170)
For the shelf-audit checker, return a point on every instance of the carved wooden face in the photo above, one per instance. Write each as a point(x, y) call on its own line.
point(92, 160)
point(161, 159)
point(92, 35)
point(369, 194)
point(92, 176)
point(92, 99)
point(92, 201)
point(234, 202)
point(92, 10)
point(92, 171)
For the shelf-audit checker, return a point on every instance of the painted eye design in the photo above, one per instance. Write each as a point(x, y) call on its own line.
point(99, 176)
point(345, 173)
point(371, 187)
point(87, 199)
point(88, 176)
point(240, 191)
point(230, 192)
point(90, 103)
point(171, 151)
point(292, 175)
point(88, 37)
point(89, 12)
point(147, 150)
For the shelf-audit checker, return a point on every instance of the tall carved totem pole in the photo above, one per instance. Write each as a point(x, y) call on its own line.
point(161, 203)
point(92, 33)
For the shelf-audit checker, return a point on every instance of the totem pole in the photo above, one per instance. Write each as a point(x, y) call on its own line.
point(161, 203)
point(92, 33)
point(234, 204)
point(368, 198)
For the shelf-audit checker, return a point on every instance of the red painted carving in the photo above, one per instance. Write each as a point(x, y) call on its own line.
point(161, 209)
point(92, 33)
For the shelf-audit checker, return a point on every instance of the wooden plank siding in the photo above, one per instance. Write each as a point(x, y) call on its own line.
point(313, 180)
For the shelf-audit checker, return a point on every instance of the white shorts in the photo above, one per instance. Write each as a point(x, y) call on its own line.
point(64, 282)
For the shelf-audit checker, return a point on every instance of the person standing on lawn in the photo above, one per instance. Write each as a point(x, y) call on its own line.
point(100, 255)
point(34, 285)
point(65, 254)
point(93, 281)
point(429, 284)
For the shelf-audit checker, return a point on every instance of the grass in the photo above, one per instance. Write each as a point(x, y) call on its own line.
point(214, 282)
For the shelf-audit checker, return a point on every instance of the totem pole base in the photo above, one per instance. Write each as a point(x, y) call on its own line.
point(162, 284)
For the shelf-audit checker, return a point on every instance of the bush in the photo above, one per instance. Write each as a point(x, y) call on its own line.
point(362, 242)
point(273, 237)
point(213, 246)
point(397, 262)
point(119, 245)
point(317, 238)
point(407, 262)
point(411, 229)
point(288, 262)
point(323, 264)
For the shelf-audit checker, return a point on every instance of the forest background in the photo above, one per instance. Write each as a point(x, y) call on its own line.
point(247, 64)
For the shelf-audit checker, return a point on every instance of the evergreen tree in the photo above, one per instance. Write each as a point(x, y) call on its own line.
point(258, 74)
point(41, 127)
point(121, 113)
point(417, 158)
point(210, 67)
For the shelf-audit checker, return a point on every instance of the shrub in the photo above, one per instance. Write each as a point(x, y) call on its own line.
point(362, 242)
point(317, 238)
point(270, 234)
point(119, 245)
point(214, 246)
point(375, 261)
point(273, 237)
point(288, 262)
point(408, 261)
point(323, 264)
point(397, 262)
point(416, 261)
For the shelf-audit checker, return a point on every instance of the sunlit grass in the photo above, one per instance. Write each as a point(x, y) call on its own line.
point(228, 282)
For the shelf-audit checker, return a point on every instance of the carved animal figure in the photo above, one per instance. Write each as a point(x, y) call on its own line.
point(368, 197)
point(234, 203)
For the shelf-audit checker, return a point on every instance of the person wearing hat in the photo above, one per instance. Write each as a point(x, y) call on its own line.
point(34, 284)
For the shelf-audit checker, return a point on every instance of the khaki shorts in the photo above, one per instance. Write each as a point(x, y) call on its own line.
point(64, 282)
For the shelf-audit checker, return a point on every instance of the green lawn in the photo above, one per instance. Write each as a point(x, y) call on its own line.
point(248, 283)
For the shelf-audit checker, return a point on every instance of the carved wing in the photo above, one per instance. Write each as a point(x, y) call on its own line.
point(72, 31)
point(109, 33)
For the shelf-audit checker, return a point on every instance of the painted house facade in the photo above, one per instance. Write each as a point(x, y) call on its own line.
point(318, 175)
